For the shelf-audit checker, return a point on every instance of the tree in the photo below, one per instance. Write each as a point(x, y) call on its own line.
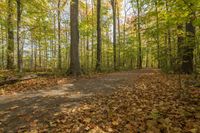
point(108, 38)
point(19, 55)
point(2, 47)
point(59, 41)
point(119, 33)
point(168, 36)
point(113, 3)
point(92, 38)
point(87, 37)
point(188, 49)
point(139, 58)
point(157, 34)
point(99, 41)
point(180, 44)
point(10, 47)
point(75, 68)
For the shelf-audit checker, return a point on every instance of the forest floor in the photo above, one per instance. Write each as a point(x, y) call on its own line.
point(140, 101)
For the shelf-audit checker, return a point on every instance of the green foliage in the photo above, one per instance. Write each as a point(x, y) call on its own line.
point(39, 32)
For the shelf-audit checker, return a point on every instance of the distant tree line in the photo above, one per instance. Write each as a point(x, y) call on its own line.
point(99, 35)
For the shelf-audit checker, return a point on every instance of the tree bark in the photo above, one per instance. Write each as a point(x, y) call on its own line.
point(10, 47)
point(99, 41)
point(113, 2)
point(119, 35)
point(32, 55)
point(19, 57)
point(158, 35)
point(2, 47)
point(169, 53)
point(75, 68)
point(180, 44)
point(67, 38)
point(139, 60)
point(92, 62)
point(188, 49)
point(40, 54)
point(35, 57)
point(59, 41)
point(87, 38)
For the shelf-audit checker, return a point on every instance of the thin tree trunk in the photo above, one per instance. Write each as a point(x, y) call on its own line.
point(188, 49)
point(114, 34)
point(40, 54)
point(157, 35)
point(10, 47)
point(46, 54)
point(2, 50)
point(22, 49)
point(124, 35)
point(119, 35)
point(59, 41)
point(99, 41)
point(107, 51)
point(35, 57)
point(198, 49)
point(66, 53)
point(19, 58)
point(139, 60)
point(87, 38)
point(32, 55)
point(169, 38)
point(92, 62)
point(147, 56)
point(54, 42)
point(180, 44)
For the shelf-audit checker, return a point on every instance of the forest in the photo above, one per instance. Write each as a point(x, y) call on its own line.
point(100, 66)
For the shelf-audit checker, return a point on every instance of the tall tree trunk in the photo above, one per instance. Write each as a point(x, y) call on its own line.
point(92, 62)
point(32, 55)
point(124, 34)
point(35, 57)
point(158, 35)
point(107, 51)
point(188, 49)
point(54, 41)
point(66, 52)
point(22, 48)
point(40, 54)
point(59, 42)
point(99, 41)
point(87, 38)
point(19, 57)
point(119, 34)
point(2, 47)
point(198, 50)
point(84, 51)
point(169, 53)
point(180, 44)
point(147, 56)
point(75, 68)
point(139, 60)
point(46, 54)
point(10, 47)
point(114, 34)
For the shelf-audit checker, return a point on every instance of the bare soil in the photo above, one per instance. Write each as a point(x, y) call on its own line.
point(20, 109)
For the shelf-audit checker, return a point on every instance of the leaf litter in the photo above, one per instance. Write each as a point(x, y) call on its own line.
point(151, 105)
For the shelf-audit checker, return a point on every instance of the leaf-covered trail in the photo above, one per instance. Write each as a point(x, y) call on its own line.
point(140, 101)
point(18, 110)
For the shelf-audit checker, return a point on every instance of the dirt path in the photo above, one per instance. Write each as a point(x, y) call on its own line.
point(16, 111)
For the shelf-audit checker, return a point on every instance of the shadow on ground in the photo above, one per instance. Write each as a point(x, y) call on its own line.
point(19, 110)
